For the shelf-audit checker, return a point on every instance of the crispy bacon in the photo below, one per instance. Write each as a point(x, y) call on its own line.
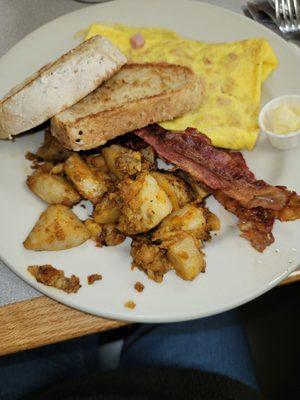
point(291, 211)
point(255, 224)
point(217, 168)
point(256, 203)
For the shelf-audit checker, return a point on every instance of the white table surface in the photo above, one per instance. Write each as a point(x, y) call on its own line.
point(17, 19)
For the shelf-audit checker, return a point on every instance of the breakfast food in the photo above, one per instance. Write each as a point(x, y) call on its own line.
point(84, 179)
point(130, 304)
point(53, 189)
point(139, 287)
point(256, 203)
point(134, 97)
point(58, 85)
point(143, 204)
point(58, 228)
point(212, 87)
point(165, 216)
point(50, 276)
point(232, 74)
point(93, 278)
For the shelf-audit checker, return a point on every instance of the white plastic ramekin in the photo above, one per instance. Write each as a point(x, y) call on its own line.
point(282, 142)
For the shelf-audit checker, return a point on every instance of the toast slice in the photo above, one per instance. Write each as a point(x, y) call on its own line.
point(138, 95)
point(58, 85)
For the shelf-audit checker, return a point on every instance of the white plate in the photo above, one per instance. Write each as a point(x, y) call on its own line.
point(235, 273)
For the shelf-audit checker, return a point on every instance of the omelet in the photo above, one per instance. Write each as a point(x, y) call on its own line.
point(232, 75)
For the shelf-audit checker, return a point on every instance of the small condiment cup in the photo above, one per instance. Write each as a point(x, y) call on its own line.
point(280, 141)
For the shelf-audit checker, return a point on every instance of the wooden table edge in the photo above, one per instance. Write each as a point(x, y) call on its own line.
point(293, 277)
point(41, 321)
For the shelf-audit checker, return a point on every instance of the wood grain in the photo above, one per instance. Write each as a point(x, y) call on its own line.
point(41, 321)
point(33, 323)
point(294, 277)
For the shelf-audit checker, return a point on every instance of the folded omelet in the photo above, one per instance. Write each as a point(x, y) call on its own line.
point(232, 75)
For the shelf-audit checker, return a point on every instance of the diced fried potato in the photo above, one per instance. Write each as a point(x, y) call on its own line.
point(149, 258)
point(143, 204)
point(185, 257)
point(176, 189)
point(122, 161)
point(110, 236)
point(58, 228)
point(190, 218)
point(46, 167)
point(98, 165)
point(52, 150)
point(148, 158)
point(212, 221)
point(50, 276)
point(57, 169)
point(199, 191)
point(97, 162)
point(53, 189)
point(84, 179)
point(107, 211)
point(106, 179)
point(94, 229)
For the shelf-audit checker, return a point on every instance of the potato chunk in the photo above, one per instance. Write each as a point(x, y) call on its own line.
point(99, 167)
point(185, 257)
point(190, 218)
point(94, 229)
point(110, 236)
point(97, 162)
point(200, 192)
point(57, 169)
point(212, 222)
point(58, 228)
point(143, 204)
point(122, 161)
point(50, 276)
point(53, 189)
point(149, 158)
point(149, 258)
point(176, 189)
point(84, 179)
point(107, 211)
point(52, 150)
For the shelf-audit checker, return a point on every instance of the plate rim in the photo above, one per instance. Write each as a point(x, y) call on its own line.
point(199, 4)
point(126, 315)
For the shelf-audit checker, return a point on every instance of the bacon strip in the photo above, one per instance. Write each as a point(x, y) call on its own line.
point(291, 211)
point(217, 168)
point(256, 224)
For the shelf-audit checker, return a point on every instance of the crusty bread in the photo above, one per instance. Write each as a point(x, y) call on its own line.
point(138, 95)
point(58, 85)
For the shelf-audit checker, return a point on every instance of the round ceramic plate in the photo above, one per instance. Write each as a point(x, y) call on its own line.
point(235, 272)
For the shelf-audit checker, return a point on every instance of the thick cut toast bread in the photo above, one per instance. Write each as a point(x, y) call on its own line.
point(58, 85)
point(138, 95)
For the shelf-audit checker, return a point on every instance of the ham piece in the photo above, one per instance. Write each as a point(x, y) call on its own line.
point(137, 41)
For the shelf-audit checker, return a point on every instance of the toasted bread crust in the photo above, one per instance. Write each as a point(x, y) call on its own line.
point(93, 130)
point(58, 85)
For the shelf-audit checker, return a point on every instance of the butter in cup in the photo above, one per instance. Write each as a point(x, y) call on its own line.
point(282, 141)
